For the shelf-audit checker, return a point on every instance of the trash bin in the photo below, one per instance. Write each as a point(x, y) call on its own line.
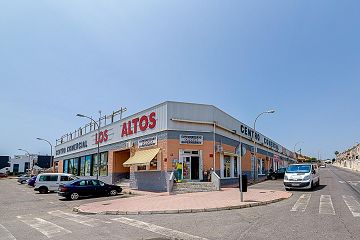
point(244, 182)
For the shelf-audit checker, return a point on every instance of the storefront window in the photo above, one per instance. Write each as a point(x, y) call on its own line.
point(82, 166)
point(153, 164)
point(227, 167)
point(94, 164)
point(75, 169)
point(71, 166)
point(104, 164)
point(66, 166)
point(235, 167)
point(87, 166)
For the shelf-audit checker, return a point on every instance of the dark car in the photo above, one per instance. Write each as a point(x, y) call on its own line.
point(87, 187)
point(277, 174)
point(31, 181)
point(3, 175)
point(23, 178)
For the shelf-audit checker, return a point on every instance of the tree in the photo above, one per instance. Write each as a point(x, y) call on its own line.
point(336, 153)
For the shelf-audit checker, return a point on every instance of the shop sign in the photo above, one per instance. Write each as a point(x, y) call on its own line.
point(147, 142)
point(192, 139)
point(71, 148)
point(140, 123)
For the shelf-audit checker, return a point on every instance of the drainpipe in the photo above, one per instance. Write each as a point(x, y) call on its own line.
point(214, 146)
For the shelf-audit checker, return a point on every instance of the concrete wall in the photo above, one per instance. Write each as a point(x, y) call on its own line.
point(155, 181)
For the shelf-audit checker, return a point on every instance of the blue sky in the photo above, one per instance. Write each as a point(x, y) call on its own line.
point(302, 58)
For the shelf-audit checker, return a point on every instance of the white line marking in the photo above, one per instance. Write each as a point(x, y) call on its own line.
point(172, 234)
point(326, 206)
point(5, 234)
point(47, 228)
point(353, 205)
point(84, 220)
point(341, 182)
point(301, 203)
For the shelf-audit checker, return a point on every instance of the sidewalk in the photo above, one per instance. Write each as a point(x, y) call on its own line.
point(155, 203)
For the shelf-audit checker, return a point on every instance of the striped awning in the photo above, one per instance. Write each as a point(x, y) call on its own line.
point(142, 158)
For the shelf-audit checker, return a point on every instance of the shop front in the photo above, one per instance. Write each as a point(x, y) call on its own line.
point(189, 140)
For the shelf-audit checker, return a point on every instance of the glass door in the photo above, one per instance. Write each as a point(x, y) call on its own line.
point(186, 168)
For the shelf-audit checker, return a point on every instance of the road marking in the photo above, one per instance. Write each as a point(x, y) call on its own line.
point(170, 233)
point(49, 229)
point(326, 205)
point(341, 182)
point(301, 203)
point(84, 220)
point(5, 234)
point(354, 183)
point(353, 205)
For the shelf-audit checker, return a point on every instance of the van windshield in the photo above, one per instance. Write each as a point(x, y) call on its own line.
point(298, 169)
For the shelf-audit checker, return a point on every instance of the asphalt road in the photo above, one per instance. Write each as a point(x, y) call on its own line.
point(331, 211)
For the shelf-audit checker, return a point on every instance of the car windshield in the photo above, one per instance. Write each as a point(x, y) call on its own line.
point(298, 169)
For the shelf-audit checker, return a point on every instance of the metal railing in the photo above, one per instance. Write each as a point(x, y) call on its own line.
point(89, 127)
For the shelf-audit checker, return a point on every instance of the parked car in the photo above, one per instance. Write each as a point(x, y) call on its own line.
point(278, 174)
point(31, 181)
point(46, 182)
point(87, 187)
point(23, 178)
point(302, 176)
point(3, 175)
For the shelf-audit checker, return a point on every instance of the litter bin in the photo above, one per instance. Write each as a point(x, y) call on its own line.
point(244, 182)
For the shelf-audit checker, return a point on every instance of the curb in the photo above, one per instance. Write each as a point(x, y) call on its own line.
point(180, 211)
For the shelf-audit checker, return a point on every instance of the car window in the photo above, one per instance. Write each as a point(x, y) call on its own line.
point(95, 182)
point(64, 178)
point(46, 178)
point(83, 183)
point(101, 183)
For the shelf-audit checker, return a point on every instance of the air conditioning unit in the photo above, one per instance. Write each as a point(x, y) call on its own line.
point(219, 148)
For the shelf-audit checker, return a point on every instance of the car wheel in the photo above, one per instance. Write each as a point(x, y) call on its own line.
point(43, 190)
point(287, 189)
point(74, 196)
point(312, 185)
point(113, 192)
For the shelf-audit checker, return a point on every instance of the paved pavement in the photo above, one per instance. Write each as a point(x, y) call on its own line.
point(226, 199)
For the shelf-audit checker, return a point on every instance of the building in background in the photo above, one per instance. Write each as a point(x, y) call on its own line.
point(24, 163)
point(184, 138)
point(4, 164)
point(350, 158)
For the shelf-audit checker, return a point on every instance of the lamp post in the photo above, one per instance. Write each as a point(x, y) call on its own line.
point(32, 167)
point(295, 147)
point(51, 147)
point(255, 160)
point(96, 140)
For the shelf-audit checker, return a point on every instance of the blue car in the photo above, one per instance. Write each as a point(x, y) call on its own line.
point(87, 187)
point(31, 181)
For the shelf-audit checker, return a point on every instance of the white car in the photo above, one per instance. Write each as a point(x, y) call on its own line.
point(301, 176)
point(46, 182)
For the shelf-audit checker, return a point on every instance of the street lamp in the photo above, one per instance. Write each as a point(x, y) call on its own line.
point(32, 167)
point(51, 157)
point(295, 147)
point(255, 160)
point(96, 140)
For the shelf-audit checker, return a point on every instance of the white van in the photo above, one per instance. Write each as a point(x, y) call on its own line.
point(301, 176)
point(46, 182)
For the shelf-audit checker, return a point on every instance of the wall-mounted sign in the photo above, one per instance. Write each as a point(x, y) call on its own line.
point(147, 142)
point(192, 139)
point(139, 123)
point(71, 148)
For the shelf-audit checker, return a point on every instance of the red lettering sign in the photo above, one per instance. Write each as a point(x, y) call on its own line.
point(103, 137)
point(143, 123)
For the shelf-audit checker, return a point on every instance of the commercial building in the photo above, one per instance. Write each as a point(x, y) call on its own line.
point(350, 158)
point(24, 163)
point(185, 138)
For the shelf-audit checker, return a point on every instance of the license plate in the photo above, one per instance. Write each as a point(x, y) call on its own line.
point(296, 184)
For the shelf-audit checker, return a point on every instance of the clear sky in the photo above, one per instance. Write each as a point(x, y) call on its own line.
point(302, 58)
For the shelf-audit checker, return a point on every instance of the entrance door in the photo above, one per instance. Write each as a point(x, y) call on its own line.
point(195, 168)
point(186, 168)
